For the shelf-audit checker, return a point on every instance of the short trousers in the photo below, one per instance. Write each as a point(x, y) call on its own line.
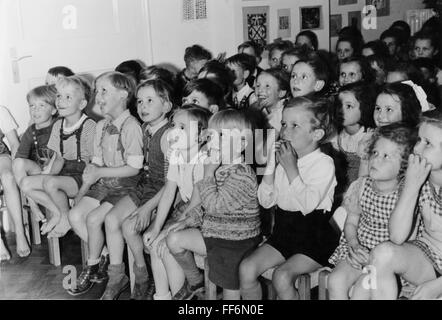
point(112, 190)
point(73, 169)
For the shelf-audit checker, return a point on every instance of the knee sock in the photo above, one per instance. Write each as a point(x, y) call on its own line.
point(141, 274)
point(116, 272)
point(186, 260)
point(253, 293)
point(167, 296)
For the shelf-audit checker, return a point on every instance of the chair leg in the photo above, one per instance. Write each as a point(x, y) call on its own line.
point(54, 251)
point(131, 260)
point(304, 287)
point(322, 285)
point(209, 285)
point(35, 227)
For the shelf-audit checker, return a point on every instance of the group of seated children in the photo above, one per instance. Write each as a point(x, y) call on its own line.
point(224, 143)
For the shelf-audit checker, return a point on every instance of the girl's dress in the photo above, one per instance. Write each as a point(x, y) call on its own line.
point(429, 238)
point(375, 211)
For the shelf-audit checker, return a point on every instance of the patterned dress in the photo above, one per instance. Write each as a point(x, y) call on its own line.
point(429, 238)
point(375, 210)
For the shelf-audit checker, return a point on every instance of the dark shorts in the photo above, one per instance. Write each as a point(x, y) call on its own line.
point(73, 169)
point(145, 190)
point(311, 235)
point(224, 257)
point(112, 190)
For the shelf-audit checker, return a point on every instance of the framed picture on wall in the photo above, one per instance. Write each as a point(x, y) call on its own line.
point(284, 23)
point(335, 24)
point(382, 7)
point(256, 24)
point(346, 2)
point(354, 19)
point(311, 17)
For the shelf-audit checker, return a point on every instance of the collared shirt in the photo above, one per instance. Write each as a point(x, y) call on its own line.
point(106, 146)
point(185, 174)
point(313, 189)
point(153, 129)
point(352, 143)
point(244, 93)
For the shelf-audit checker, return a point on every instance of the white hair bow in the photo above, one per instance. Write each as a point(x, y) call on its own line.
point(421, 96)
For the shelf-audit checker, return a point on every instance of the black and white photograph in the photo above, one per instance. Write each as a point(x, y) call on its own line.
point(311, 17)
point(205, 151)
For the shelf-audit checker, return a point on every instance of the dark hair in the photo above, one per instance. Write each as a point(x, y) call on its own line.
point(354, 42)
point(220, 74)
point(252, 44)
point(410, 106)
point(319, 107)
point(365, 94)
point(432, 25)
point(281, 45)
point(46, 93)
point(196, 52)
point(163, 89)
point(367, 73)
point(210, 89)
point(312, 37)
point(120, 81)
point(320, 68)
point(243, 60)
point(302, 52)
point(403, 28)
point(60, 70)
point(392, 33)
point(426, 63)
point(427, 36)
point(155, 72)
point(281, 77)
point(401, 134)
point(409, 70)
point(351, 31)
point(130, 68)
point(378, 47)
point(383, 62)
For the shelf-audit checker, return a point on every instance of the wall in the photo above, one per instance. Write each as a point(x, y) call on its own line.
point(323, 34)
point(398, 9)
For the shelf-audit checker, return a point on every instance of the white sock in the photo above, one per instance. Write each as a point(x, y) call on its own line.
point(167, 296)
point(105, 252)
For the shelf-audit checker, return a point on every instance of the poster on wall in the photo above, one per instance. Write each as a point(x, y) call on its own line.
point(311, 17)
point(335, 24)
point(354, 19)
point(382, 6)
point(256, 24)
point(284, 23)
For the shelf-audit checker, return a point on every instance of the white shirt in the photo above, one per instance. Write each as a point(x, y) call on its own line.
point(186, 174)
point(245, 92)
point(312, 190)
point(353, 143)
point(7, 121)
point(153, 129)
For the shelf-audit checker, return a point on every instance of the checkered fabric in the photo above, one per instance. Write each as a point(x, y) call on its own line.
point(373, 222)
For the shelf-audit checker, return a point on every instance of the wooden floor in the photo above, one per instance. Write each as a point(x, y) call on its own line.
point(35, 278)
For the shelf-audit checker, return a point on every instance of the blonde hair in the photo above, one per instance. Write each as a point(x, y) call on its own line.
point(120, 81)
point(78, 82)
point(46, 93)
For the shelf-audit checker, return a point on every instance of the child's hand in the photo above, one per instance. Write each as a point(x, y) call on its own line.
point(177, 226)
point(428, 290)
point(143, 219)
point(150, 235)
point(286, 156)
point(417, 171)
point(358, 256)
point(160, 244)
point(91, 174)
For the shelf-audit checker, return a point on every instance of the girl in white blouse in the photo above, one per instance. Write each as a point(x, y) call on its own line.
point(300, 181)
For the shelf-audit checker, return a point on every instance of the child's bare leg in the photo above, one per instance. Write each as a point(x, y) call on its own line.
point(341, 279)
point(60, 189)
point(407, 260)
point(231, 294)
point(33, 187)
point(160, 275)
point(4, 253)
point(361, 289)
point(113, 223)
point(175, 273)
point(94, 223)
point(182, 245)
point(134, 241)
point(78, 214)
point(13, 203)
point(285, 275)
point(262, 259)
